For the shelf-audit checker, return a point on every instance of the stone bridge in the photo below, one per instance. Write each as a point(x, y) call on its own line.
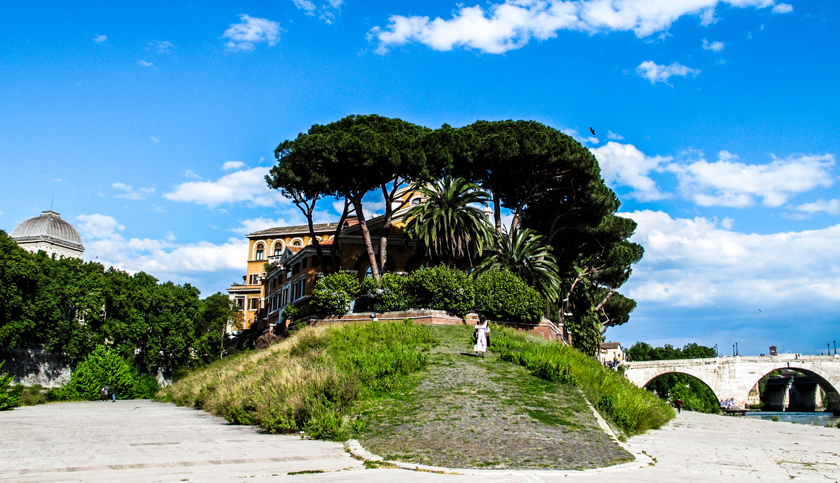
point(734, 377)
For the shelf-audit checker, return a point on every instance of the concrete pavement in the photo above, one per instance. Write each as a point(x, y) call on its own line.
point(143, 441)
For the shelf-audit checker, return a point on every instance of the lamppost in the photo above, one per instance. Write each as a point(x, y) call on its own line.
point(736, 349)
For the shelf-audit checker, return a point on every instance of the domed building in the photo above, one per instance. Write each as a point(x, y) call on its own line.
point(48, 232)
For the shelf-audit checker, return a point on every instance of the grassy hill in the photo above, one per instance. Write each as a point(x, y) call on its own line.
point(416, 393)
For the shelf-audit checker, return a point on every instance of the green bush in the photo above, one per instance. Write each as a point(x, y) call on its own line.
point(9, 398)
point(334, 293)
point(631, 408)
point(501, 295)
point(443, 288)
point(104, 366)
point(393, 293)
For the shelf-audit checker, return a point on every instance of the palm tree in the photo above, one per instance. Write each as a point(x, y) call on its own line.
point(526, 254)
point(448, 223)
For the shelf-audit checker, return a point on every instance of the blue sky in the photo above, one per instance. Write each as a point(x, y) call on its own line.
point(151, 124)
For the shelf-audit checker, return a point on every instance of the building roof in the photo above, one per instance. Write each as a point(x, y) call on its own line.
point(294, 230)
point(48, 227)
point(610, 345)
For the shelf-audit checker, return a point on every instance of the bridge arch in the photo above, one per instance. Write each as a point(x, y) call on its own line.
point(832, 394)
point(650, 375)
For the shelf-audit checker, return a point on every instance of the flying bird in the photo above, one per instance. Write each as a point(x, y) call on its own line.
point(759, 310)
point(592, 131)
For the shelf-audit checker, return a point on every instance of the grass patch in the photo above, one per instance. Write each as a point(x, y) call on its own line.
point(305, 472)
point(312, 381)
point(630, 408)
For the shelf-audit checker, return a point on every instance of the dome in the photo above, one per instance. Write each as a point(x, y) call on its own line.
point(50, 228)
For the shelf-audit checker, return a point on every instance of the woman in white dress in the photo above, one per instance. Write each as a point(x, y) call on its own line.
point(482, 333)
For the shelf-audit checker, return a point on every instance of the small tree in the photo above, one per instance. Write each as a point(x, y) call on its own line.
point(443, 288)
point(501, 295)
point(102, 367)
point(8, 399)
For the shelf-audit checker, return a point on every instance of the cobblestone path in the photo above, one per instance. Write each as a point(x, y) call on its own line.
point(469, 412)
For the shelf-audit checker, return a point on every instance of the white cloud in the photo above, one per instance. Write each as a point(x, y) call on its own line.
point(831, 207)
point(614, 136)
point(694, 263)
point(512, 24)
point(240, 186)
point(154, 139)
point(232, 165)
point(327, 11)
point(713, 46)
point(625, 165)
point(99, 226)
point(129, 193)
point(161, 46)
point(783, 8)
point(191, 174)
point(144, 63)
point(654, 72)
point(100, 38)
point(727, 182)
point(251, 31)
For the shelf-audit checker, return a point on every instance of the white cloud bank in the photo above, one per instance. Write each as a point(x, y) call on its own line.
point(830, 207)
point(713, 46)
point(725, 182)
point(510, 25)
point(251, 31)
point(129, 193)
point(696, 263)
point(161, 258)
point(247, 186)
point(100, 38)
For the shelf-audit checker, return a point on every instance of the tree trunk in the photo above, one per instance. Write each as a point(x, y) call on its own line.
point(497, 211)
point(334, 247)
point(360, 214)
point(318, 250)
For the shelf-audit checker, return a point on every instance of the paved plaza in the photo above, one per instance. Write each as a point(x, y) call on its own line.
point(143, 441)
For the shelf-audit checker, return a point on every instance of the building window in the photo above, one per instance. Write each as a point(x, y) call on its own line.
point(303, 264)
point(254, 279)
point(296, 243)
point(285, 295)
point(254, 303)
point(259, 252)
point(278, 249)
point(240, 302)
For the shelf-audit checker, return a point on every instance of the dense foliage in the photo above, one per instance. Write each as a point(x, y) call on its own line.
point(629, 407)
point(312, 381)
point(443, 288)
point(72, 307)
point(501, 295)
point(549, 182)
point(105, 367)
point(334, 293)
point(392, 294)
point(8, 399)
point(693, 392)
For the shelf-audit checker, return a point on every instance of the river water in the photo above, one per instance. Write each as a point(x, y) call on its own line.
point(815, 419)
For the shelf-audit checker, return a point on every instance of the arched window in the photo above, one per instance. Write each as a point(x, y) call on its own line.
point(259, 252)
point(296, 243)
point(278, 249)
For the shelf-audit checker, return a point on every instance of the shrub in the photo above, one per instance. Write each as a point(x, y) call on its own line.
point(103, 366)
point(393, 294)
point(334, 293)
point(501, 295)
point(9, 399)
point(443, 288)
point(631, 408)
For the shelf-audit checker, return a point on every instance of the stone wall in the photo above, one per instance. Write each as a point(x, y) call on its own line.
point(36, 366)
point(544, 328)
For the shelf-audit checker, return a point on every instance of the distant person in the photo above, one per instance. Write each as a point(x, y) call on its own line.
point(679, 405)
point(482, 335)
point(105, 390)
point(113, 396)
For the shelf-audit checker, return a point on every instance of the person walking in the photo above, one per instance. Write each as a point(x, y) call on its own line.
point(104, 391)
point(482, 336)
point(679, 405)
